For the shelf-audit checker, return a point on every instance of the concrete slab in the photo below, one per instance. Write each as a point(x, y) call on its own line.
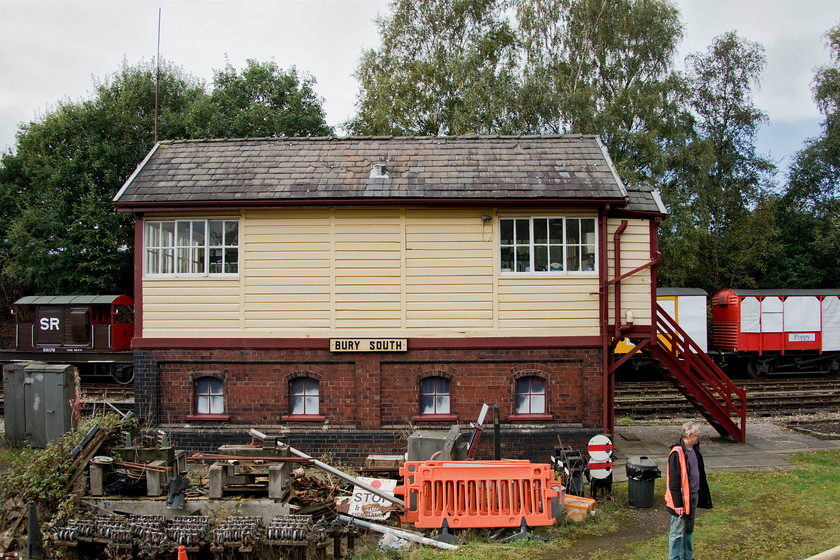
point(767, 448)
point(267, 509)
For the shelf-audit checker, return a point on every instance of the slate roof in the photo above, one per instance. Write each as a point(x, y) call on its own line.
point(287, 171)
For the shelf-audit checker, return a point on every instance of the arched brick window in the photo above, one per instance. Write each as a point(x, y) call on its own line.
point(434, 395)
point(209, 396)
point(435, 398)
point(208, 403)
point(304, 396)
point(530, 395)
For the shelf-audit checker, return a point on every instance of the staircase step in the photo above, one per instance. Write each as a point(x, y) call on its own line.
point(687, 380)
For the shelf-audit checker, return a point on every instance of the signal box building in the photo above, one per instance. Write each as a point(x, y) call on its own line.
point(340, 292)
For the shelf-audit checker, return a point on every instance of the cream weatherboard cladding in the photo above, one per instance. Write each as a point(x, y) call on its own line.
point(388, 272)
point(635, 251)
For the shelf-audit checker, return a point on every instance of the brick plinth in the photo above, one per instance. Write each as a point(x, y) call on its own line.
point(369, 402)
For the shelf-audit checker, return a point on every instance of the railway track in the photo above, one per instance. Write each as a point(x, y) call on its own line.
point(764, 397)
point(96, 396)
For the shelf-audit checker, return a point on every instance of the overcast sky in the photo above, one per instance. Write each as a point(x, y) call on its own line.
point(50, 50)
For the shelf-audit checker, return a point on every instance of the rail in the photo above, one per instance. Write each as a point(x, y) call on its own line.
point(642, 399)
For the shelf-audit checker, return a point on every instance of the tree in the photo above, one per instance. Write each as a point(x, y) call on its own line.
point(261, 101)
point(605, 67)
point(547, 66)
point(62, 233)
point(444, 67)
point(808, 241)
point(719, 186)
point(815, 174)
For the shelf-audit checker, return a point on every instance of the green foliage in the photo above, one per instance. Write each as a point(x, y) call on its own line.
point(815, 173)
point(59, 232)
point(444, 67)
point(720, 232)
point(42, 476)
point(261, 101)
point(605, 67)
point(529, 66)
point(63, 235)
point(808, 239)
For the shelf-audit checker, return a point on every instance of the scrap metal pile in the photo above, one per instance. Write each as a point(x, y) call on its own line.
point(151, 537)
point(446, 493)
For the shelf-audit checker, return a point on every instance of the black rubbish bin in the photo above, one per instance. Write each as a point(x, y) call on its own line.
point(642, 472)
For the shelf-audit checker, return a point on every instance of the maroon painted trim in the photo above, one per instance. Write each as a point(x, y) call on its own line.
point(324, 343)
point(302, 418)
point(208, 417)
point(203, 205)
point(138, 277)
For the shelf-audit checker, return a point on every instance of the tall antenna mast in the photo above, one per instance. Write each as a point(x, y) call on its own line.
point(157, 78)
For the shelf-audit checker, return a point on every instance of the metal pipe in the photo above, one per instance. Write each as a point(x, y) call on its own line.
point(402, 534)
point(603, 308)
point(617, 267)
point(348, 478)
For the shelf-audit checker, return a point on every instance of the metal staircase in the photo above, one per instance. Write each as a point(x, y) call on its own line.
point(698, 378)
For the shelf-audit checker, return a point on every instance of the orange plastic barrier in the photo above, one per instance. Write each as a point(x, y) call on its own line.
point(477, 494)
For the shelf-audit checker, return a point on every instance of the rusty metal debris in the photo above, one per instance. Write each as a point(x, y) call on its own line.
point(154, 536)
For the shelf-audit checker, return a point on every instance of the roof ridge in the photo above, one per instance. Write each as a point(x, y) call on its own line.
point(378, 138)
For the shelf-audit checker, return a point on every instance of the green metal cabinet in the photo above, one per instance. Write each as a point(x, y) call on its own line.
point(38, 402)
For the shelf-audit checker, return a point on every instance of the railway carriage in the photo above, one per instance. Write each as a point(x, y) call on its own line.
point(765, 332)
point(688, 307)
point(91, 332)
point(778, 331)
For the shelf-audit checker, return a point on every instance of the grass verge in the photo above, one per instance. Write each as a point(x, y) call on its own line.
point(781, 515)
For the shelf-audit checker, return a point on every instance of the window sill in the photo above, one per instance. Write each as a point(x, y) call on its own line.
point(208, 417)
point(530, 417)
point(548, 274)
point(303, 418)
point(435, 418)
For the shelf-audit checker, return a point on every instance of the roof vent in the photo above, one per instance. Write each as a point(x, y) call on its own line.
point(379, 171)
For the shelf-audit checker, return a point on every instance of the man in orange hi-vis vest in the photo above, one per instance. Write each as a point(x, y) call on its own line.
point(686, 490)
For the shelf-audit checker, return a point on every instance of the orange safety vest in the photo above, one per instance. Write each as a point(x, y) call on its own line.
point(683, 481)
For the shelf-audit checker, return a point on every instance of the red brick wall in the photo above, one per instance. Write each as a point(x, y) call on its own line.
point(372, 391)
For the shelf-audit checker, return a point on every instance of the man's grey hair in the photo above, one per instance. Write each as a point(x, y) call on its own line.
point(689, 428)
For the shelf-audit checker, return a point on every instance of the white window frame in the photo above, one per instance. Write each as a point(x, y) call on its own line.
point(305, 394)
point(188, 247)
point(213, 400)
point(524, 254)
point(527, 401)
point(439, 396)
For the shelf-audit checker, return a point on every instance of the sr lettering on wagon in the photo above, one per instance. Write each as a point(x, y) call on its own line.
point(368, 345)
point(50, 324)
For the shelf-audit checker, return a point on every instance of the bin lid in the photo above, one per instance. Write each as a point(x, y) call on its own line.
point(642, 462)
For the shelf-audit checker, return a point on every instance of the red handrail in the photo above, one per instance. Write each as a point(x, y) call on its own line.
point(700, 368)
